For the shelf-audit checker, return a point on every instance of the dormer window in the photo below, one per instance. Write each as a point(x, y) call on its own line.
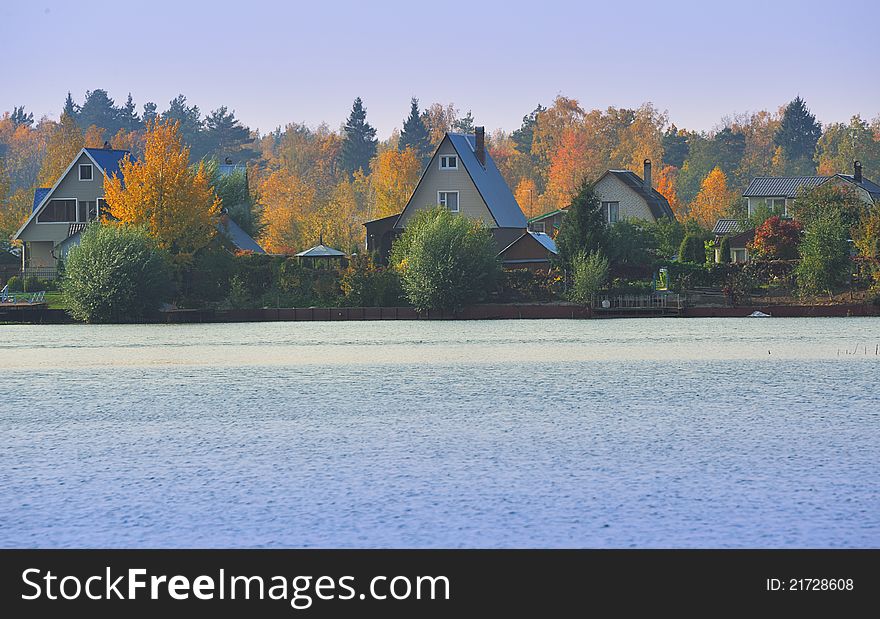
point(85, 172)
point(448, 162)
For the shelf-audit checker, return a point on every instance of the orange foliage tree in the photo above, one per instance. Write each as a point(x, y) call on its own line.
point(713, 200)
point(287, 202)
point(394, 176)
point(526, 195)
point(64, 144)
point(173, 201)
point(666, 187)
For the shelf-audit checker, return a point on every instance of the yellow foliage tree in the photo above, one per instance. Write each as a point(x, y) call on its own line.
point(568, 167)
point(713, 200)
point(175, 202)
point(64, 144)
point(394, 175)
point(526, 195)
point(94, 137)
point(666, 187)
point(287, 203)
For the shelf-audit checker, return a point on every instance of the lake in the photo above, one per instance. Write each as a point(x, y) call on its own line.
point(595, 433)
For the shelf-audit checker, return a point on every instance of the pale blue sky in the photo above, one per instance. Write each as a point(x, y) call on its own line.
point(275, 62)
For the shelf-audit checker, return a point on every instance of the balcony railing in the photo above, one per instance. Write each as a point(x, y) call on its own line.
point(40, 272)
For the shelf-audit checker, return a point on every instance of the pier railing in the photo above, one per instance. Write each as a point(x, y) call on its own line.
point(656, 301)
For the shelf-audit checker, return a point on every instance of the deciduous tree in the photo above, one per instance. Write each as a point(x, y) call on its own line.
point(713, 201)
point(174, 202)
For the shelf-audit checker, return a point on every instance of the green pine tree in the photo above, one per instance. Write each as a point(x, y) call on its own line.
point(583, 228)
point(224, 135)
point(415, 133)
point(797, 136)
point(466, 124)
point(70, 108)
point(359, 142)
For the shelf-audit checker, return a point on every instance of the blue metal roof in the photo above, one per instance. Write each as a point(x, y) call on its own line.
point(489, 182)
point(225, 169)
point(108, 159)
point(39, 194)
point(545, 240)
point(241, 239)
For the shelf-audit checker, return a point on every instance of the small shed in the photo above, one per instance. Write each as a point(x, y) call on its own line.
point(322, 257)
point(534, 251)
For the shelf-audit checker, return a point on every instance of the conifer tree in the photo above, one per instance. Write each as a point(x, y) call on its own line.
point(797, 136)
point(415, 133)
point(359, 142)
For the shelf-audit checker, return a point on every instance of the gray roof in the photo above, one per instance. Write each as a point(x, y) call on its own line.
point(489, 182)
point(788, 186)
point(655, 200)
point(870, 186)
point(781, 186)
point(241, 239)
point(727, 226)
point(321, 251)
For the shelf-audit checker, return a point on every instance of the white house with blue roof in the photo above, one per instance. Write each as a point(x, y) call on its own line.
point(62, 211)
point(462, 177)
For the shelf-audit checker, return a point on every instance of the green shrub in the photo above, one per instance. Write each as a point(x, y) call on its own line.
point(366, 284)
point(116, 274)
point(522, 285)
point(825, 260)
point(692, 249)
point(589, 272)
point(445, 261)
point(15, 284)
point(724, 250)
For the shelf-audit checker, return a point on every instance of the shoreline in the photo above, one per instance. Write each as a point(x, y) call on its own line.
point(525, 311)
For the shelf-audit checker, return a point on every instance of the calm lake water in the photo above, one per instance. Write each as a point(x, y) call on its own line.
point(646, 433)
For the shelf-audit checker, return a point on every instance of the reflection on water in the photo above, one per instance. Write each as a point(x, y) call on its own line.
point(424, 434)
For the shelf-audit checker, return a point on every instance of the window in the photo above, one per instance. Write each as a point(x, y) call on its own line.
point(739, 255)
point(449, 199)
point(777, 205)
point(612, 211)
point(87, 211)
point(538, 226)
point(448, 162)
point(85, 171)
point(58, 211)
point(102, 207)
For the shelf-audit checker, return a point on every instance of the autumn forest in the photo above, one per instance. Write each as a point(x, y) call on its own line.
point(307, 181)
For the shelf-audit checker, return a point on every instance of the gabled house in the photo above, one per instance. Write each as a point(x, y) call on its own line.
point(778, 192)
point(626, 196)
point(623, 194)
point(63, 210)
point(462, 177)
point(739, 237)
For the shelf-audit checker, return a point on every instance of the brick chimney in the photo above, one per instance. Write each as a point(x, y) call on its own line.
point(647, 175)
point(480, 145)
point(857, 171)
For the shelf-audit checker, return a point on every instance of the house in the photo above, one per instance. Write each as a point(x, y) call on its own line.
point(623, 194)
point(739, 237)
point(626, 196)
point(462, 177)
point(778, 192)
point(61, 212)
point(240, 239)
point(548, 223)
